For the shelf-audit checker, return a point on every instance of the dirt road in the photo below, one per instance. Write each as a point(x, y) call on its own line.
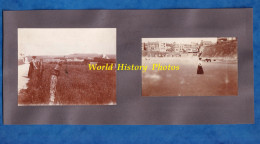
point(23, 76)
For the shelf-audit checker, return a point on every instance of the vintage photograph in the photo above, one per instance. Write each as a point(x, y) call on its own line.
point(54, 66)
point(190, 66)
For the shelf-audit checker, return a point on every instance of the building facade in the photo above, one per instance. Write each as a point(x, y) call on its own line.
point(172, 47)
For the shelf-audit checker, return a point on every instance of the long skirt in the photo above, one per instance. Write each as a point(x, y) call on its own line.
point(200, 70)
point(53, 84)
point(30, 70)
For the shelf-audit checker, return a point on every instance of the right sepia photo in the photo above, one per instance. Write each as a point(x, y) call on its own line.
point(206, 66)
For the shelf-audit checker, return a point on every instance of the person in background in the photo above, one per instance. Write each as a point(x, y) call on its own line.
point(40, 73)
point(32, 67)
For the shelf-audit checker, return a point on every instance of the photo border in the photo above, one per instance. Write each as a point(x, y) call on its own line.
point(131, 26)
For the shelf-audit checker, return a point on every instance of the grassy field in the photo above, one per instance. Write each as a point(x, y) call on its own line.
point(79, 86)
point(219, 78)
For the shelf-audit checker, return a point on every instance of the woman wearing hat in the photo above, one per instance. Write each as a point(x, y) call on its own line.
point(200, 69)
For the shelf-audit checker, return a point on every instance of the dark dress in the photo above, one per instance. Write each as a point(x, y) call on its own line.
point(40, 72)
point(31, 68)
point(200, 70)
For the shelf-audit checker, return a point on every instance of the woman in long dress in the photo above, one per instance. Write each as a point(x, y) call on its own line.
point(32, 67)
point(40, 73)
point(200, 69)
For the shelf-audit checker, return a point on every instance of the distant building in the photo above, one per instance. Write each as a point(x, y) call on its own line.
point(162, 47)
point(190, 48)
point(170, 47)
point(155, 46)
point(178, 47)
point(225, 39)
point(206, 43)
point(105, 56)
point(152, 46)
point(78, 60)
point(51, 60)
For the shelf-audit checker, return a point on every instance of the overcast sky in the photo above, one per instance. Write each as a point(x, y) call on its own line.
point(64, 41)
point(180, 40)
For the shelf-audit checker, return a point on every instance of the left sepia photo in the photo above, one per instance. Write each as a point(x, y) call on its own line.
point(55, 66)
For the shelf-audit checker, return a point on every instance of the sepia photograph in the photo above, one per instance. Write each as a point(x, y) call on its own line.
point(54, 66)
point(190, 66)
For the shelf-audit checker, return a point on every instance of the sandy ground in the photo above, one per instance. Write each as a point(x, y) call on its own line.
point(23, 76)
point(219, 78)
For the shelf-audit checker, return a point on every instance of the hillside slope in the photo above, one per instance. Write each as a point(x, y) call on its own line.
point(225, 49)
